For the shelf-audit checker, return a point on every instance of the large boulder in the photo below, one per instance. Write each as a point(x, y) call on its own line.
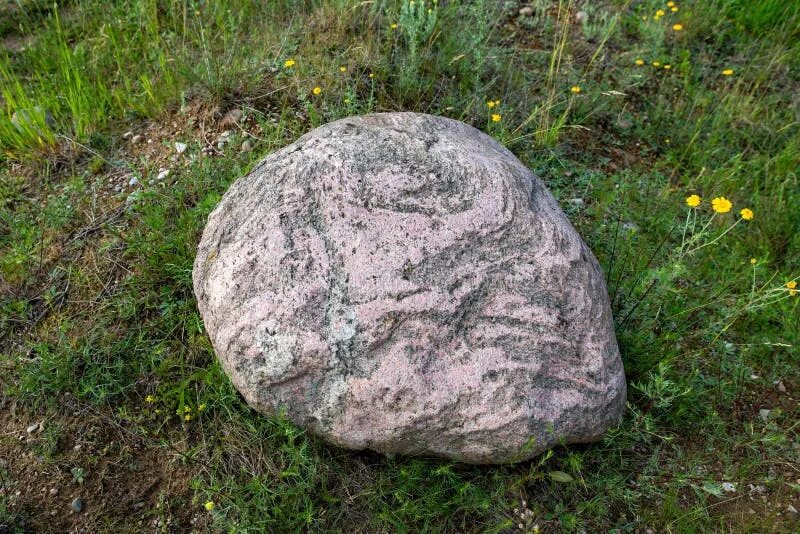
point(401, 282)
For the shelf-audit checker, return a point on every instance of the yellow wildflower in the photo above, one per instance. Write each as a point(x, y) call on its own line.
point(317, 90)
point(575, 89)
point(187, 409)
point(670, 4)
point(791, 284)
point(693, 201)
point(393, 26)
point(371, 74)
point(289, 63)
point(667, 67)
point(209, 505)
point(639, 62)
point(187, 417)
point(496, 118)
point(342, 69)
point(752, 261)
point(150, 399)
point(201, 407)
point(674, 9)
point(490, 104)
point(677, 27)
point(660, 13)
point(656, 63)
point(727, 72)
point(747, 214)
point(721, 205)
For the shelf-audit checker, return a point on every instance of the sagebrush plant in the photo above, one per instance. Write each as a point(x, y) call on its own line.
point(96, 300)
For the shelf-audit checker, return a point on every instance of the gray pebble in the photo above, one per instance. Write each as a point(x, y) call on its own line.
point(77, 505)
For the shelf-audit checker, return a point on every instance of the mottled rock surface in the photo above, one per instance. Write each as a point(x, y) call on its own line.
point(401, 282)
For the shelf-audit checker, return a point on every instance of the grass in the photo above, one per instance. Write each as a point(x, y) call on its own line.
point(97, 313)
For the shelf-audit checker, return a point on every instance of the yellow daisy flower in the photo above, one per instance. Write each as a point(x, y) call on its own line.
point(721, 205)
point(209, 505)
point(316, 90)
point(150, 399)
point(693, 201)
point(752, 261)
point(342, 69)
point(639, 62)
point(393, 26)
point(677, 27)
point(575, 89)
point(727, 72)
point(747, 214)
point(674, 9)
point(667, 67)
point(791, 284)
point(656, 63)
point(660, 13)
point(496, 118)
point(670, 4)
point(289, 63)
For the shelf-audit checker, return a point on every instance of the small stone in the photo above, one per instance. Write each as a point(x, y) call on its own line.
point(581, 17)
point(162, 173)
point(136, 139)
point(77, 505)
point(577, 202)
point(728, 487)
point(33, 428)
point(247, 146)
point(630, 226)
point(792, 511)
point(53, 491)
point(781, 387)
point(127, 135)
point(763, 413)
point(180, 148)
point(754, 377)
point(526, 11)
point(133, 181)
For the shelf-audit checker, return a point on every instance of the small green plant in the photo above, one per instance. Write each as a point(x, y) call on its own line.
point(417, 21)
point(78, 474)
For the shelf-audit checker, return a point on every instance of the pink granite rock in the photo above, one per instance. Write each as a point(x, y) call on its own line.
point(401, 282)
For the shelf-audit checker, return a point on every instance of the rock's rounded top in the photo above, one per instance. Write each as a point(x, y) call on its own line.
point(401, 282)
